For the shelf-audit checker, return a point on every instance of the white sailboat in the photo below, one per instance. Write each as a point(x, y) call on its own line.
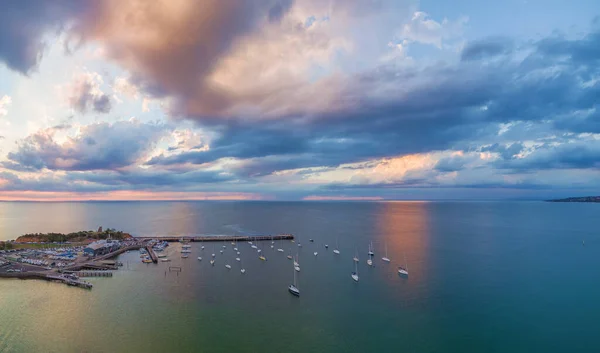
point(199, 258)
point(355, 273)
point(336, 251)
point(228, 266)
point(293, 288)
point(212, 262)
point(371, 253)
point(386, 258)
point(213, 254)
point(296, 264)
point(355, 258)
point(315, 253)
point(403, 271)
point(290, 255)
point(242, 270)
point(237, 259)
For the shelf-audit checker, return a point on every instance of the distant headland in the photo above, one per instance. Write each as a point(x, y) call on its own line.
point(578, 199)
point(81, 236)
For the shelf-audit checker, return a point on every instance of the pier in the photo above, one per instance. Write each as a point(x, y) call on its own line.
point(221, 238)
point(152, 254)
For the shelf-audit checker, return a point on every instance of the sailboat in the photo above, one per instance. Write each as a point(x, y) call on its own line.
point(199, 258)
point(293, 287)
point(371, 253)
point(355, 273)
point(355, 258)
point(336, 251)
point(212, 262)
point(403, 271)
point(228, 266)
point(213, 254)
point(296, 264)
point(237, 259)
point(385, 258)
point(290, 255)
point(262, 257)
point(242, 270)
point(315, 253)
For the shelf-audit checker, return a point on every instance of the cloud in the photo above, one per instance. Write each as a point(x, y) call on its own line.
point(84, 94)
point(96, 146)
point(24, 23)
point(486, 48)
point(5, 101)
point(425, 30)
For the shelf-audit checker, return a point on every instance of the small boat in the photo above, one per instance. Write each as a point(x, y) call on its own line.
point(336, 251)
point(186, 251)
point(243, 270)
point(293, 288)
point(228, 267)
point(147, 261)
point(213, 255)
point(237, 259)
point(326, 246)
point(311, 240)
point(224, 246)
point(164, 259)
point(186, 246)
point(235, 249)
point(212, 262)
point(280, 250)
point(258, 251)
point(290, 257)
point(370, 262)
point(185, 256)
point(238, 252)
point(232, 243)
point(262, 258)
point(250, 242)
point(371, 253)
point(254, 246)
point(315, 253)
point(355, 258)
point(199, 258)
point(385, 258)
point(161, 255)
point(272, 247)
point(299, 245)
point(355, 273)
point(221, 251)
point(403, 271)
point(202, 247)
point(297, 268)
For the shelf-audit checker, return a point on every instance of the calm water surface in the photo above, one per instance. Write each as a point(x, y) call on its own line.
point(484, 277)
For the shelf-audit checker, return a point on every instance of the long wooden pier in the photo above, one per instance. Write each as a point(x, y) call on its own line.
point(221, 238)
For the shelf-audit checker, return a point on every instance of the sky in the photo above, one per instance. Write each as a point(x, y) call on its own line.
point(299, 99)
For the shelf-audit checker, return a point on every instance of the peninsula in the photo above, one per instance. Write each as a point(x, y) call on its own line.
point(578, 199)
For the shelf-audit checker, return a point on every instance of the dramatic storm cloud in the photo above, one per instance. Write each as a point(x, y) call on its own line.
point(298, 99)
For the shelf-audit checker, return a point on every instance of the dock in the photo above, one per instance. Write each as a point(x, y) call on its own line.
point(153, 256)
point(48, 277)
point(221, 238)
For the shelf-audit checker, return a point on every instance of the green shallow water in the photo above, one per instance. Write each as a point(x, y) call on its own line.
point(484, 277)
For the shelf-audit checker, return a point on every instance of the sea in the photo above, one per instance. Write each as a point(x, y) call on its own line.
point(484, 276)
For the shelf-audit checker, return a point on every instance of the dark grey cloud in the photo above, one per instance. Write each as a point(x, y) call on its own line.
point(23, 23)
point(486, 48)
point(573, 155)
point(99, 146)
